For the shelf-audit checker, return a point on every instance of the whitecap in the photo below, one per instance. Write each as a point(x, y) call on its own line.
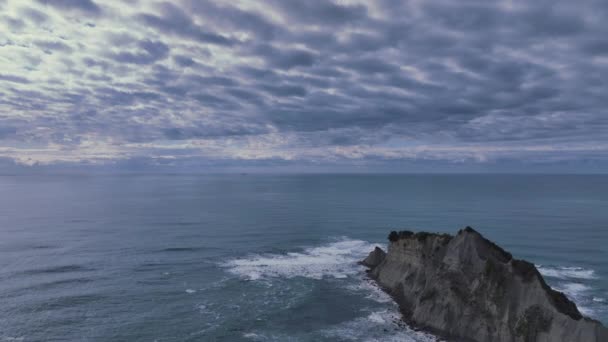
point(371, 290)
point(586, 311)
point(579, 293)
point(375, 327)
point(564, 272)
point(337, 260)
point(599, 300)
point(377, 317)
point(574, 289)
point(252, 336)
point(190, 291)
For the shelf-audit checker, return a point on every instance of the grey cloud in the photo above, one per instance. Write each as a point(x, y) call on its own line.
point(183, 61)
point(14, 24)
point(86, 6)
point(14, 78)
point(175, 21)
point(183, 133)
point(115, 97)
point(6, 132)
point(321, 12)
point(285, 90)
point(285, 58)
point(596, 47)
point(203, 81)
point(367, 42)
point(233, 18)
point(34, 15)
point(220, 104)
point(91, 62)
point(152, 51)
point(256, 73)
point(546, 20)
point(370, 65)
point(246, 95)
point(52, 46)
point(120, 39)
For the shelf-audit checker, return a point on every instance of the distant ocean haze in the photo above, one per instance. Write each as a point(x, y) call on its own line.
point(266, 257)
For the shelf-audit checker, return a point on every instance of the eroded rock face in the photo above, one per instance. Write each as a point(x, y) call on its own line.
point(374, 258)
point(466, 288)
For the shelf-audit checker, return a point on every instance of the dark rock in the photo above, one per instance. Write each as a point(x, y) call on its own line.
point(533, 322)
point(374, 258)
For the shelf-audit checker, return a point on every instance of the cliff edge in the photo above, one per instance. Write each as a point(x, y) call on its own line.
point(466, 288)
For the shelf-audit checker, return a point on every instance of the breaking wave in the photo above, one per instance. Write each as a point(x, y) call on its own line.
point(573, 281)
point(383, 325)
point(337, 260)
point(562, 272)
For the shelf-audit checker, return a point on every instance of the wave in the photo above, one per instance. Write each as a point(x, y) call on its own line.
point(337, 260)
point(574, 289)
point(562, 272)
point(374, 326)
point(253, 336)
point(371, 291)
point(571, 281)
point(581, 294)
point(381, 325)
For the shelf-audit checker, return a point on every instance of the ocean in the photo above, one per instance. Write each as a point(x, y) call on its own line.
point(246, 257)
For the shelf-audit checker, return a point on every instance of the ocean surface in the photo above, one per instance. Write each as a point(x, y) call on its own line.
point(265, 257)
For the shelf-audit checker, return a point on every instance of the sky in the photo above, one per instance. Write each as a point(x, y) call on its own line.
point(291, 85)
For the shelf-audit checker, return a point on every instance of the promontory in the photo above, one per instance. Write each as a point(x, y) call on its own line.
point(466, 288)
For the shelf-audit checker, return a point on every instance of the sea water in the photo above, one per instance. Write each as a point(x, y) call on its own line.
point(265, 257)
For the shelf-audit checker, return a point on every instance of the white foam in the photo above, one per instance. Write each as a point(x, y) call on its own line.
point(371, 290)
point(586, 311)
point(252, 336)
point(563, 272)
point(574, 289)
point(377, 317)
point(573, 285)
point(375, 327)
point(190, 291)
point(579, 293)
point(599, 300)
point(576, 292)
point(336, 259)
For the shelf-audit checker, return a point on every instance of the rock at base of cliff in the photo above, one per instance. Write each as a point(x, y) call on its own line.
point(374, 258)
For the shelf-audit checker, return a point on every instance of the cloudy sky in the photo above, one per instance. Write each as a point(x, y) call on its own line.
point(386, 84)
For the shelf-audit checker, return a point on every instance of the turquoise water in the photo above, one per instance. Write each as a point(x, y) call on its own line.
point(265, 257)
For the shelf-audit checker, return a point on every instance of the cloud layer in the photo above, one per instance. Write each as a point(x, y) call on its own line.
point(344, 82)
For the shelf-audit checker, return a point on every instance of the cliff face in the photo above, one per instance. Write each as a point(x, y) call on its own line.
point(465, 288)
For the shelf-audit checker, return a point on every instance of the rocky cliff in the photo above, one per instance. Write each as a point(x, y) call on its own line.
point(466, 288)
